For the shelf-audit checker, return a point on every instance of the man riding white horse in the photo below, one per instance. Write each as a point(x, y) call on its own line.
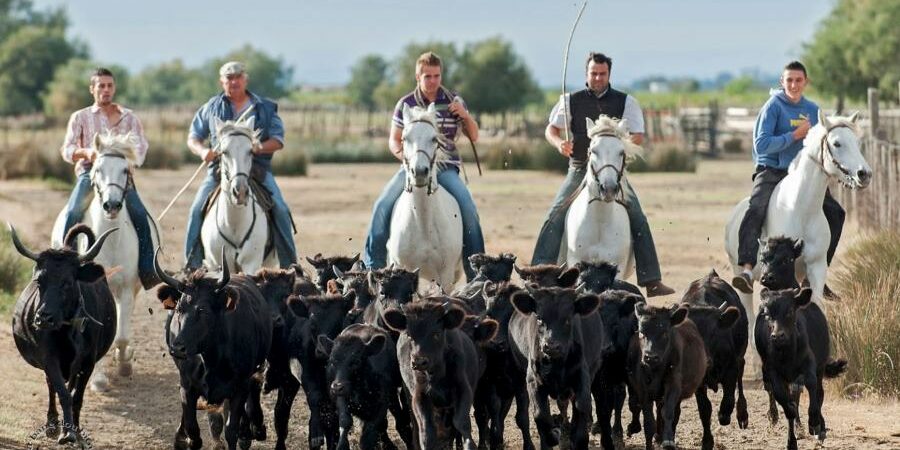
point(781, 126)
point(598, 98)
point(106, 116)
point(451, 116)
point(237, 102)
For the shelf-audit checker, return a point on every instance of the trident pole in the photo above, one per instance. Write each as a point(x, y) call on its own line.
point(565, 105)
point(199, 169)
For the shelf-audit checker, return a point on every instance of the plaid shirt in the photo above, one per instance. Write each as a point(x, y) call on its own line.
point(84, 123)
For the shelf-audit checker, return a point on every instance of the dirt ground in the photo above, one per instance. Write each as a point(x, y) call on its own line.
point(331, 206)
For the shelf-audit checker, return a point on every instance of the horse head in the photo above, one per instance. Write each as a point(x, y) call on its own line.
point(609, 151)
point(112, 168)
point(236, 142)
point(835, 145)
point(421, 139)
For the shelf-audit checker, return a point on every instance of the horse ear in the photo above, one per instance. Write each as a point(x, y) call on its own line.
point(407, 113)
point(589, 123)
point(823, 119)
point(431, 109)
point(218, 123)
point(798, 248)
point(854, 117)
point(762, 242)
point(97, 142)
point(250, 122)
point(623, 126)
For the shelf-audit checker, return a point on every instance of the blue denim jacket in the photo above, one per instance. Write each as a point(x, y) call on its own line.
point(265, 111)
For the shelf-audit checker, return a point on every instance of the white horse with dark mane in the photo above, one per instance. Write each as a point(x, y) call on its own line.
point(426, 226)
point(597, 225)
point(110, 178)
point(831, 151)
point(236, 221)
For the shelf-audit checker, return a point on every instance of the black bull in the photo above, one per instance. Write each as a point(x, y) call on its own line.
point(64, 322)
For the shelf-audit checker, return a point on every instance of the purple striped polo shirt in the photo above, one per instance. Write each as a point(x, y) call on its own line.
point(445, 120)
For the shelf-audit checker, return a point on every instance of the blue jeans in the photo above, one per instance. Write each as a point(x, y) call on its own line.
point(284, 236)
point(546, 250)
point(375, 253)
point(80, 201)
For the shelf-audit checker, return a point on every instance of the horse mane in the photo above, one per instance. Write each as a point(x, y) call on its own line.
point(242, 127)
point(815, 135)
point(609, 125)
point(124, 145)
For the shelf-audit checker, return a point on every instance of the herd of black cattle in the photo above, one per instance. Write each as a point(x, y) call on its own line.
point(364, 343)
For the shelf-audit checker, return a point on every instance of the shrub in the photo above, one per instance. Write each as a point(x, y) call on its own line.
point(865, 323)
point(14, 269)
point(664, 159)
point(733, 145)
point(519, 154)
point(290, 161)
point(31, 160)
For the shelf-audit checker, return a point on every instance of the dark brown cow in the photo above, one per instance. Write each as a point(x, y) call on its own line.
point(667, 363)
point(64, 322)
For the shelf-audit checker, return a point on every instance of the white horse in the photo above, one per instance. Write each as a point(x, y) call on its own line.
point(426, 226)
point(831, 151)
point(236, 221)
point(597, 226)
point(110, 178)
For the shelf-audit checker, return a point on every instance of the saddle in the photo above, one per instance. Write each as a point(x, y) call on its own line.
point(261, 196)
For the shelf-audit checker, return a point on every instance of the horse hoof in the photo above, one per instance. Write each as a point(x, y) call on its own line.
point(724, 420)
point(67, 437)
point(668, 445)
point(125, 369)
point(259, 434)
point(99, 382)
point(634, 428)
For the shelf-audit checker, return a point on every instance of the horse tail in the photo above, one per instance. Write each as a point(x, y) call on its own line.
point(71, 239)
point(835, 367)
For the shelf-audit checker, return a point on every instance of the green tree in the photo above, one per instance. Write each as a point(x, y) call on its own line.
point(493, 78)
point(29, 57)
point(365, 76)
point(168, 83)
point(402, 74)
point(15, 14)
point(69, 89)
point(269, 76)
point(740, 85)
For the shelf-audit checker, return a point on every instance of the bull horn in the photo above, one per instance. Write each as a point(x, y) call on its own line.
point(337, 271)
point(19, 246)
point(91, 253)
point(166, 278)
point(563, 266)
point(223, 281)
point(723, 306)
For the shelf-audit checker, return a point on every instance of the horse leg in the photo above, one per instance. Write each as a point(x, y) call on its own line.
point(124, 354)
point(816, 272)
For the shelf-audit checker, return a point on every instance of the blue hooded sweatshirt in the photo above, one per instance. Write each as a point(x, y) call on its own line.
point(773, 142)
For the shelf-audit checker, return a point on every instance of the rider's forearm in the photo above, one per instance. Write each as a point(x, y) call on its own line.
point(470, 127)
point(396, 148)
point(269, 146)
point(551, 134)
point(196, 146)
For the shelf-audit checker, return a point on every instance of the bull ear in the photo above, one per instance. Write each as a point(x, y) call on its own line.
point(324, 346)
point(586, 304)
point(395, 319)
point(168, 296)
point(678, 315)
point(627, 307)
point(454, 318)
point(568, 278)
point(90, 273)
point(315, 262)
point(713, 273)
point(232, 297)
point(802, 298)
point(354, 259)
point(375, 345)
point(798, 248)
point(297, 306)
point(728, 317)
point(485, 330)
point(640, 308)
point(489, 289)
point(524, 302)
point(518, 271)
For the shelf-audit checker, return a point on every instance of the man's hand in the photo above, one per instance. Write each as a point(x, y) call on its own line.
point(457, 109)
point(87, 154)
point(565, 148)
point(209, 155)
point(802, 129)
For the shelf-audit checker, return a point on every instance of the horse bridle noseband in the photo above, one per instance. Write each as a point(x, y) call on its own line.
point(128, 181)
point(225, 173)
point(620, 172)
point(431, 158)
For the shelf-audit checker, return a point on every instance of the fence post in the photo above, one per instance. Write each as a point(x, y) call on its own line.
point(872, 97)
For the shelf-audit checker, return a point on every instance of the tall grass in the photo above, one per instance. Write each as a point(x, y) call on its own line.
point(665, 158)
point(865, 323)
point(14, 269)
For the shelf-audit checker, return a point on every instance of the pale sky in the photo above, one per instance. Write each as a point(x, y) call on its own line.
point(322, 39)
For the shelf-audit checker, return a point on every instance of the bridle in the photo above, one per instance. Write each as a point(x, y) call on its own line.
point(228, 178)
point(620, 171)
point(431, 158)
point(99, 190)
point(226, 174)
point(825, 147)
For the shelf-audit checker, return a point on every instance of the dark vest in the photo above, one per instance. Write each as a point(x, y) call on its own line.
point(584, 104)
